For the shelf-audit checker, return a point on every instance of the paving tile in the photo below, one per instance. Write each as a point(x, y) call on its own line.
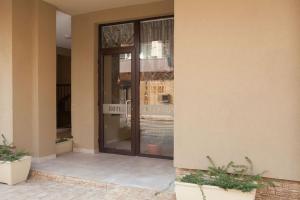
point(142, 172)
point(43, 189)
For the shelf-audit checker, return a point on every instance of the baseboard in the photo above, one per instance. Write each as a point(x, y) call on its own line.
point(83, 150)
point(43, 159)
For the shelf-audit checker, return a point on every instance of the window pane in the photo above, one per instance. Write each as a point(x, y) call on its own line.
point(117, 101)
point(157, 87)
point(121, 35)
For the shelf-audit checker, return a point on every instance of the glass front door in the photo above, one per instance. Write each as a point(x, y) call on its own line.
point(136, 88)
point(117, 87)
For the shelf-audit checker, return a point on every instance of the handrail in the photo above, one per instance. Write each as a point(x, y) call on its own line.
point(63, 84)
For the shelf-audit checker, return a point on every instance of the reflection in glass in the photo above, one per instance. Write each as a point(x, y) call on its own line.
point(120, 35)
point(117, 101)
point(157, 87)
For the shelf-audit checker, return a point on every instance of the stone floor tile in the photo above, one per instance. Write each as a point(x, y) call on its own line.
point(42, 189)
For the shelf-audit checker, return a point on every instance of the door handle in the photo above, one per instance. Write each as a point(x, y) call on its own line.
point(126, 107)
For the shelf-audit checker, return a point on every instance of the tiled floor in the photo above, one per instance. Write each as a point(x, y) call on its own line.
point(140, 172)
point(41, 189)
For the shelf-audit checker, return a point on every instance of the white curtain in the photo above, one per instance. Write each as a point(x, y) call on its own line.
point(158, 36)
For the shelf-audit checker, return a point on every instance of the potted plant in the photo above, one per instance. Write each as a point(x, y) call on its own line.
point(153, 149)
point(230, 182)
point(64, 145)
point(14, 164)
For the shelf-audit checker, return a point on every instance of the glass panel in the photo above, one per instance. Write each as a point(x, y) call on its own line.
point(121, 35)
point(117, 102)
point(157, 87)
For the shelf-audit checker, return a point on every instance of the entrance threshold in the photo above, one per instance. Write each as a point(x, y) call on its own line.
point(141, 172)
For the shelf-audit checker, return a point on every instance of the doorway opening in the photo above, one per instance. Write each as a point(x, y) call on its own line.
point(136, 87)
point(63, 76)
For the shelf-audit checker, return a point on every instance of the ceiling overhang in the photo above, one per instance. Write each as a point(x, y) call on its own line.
point(76, 7)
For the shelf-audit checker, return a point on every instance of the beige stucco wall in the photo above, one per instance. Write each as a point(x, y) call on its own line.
point(22, 39)
point(6, 110)
point(85, 67)
point(28, 55)
point(237, 84)
point(44, 79)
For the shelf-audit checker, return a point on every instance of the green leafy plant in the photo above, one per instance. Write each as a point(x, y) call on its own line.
point(8, 153)
point(60, 140)
point(231, 176)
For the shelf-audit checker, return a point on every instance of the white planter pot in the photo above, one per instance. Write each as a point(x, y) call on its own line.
point(15, 172)
point(64, 147)
point(187, 191)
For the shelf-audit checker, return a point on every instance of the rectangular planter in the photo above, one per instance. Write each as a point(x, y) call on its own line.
point(64, 147)
point(187, 191)
point(15, 172)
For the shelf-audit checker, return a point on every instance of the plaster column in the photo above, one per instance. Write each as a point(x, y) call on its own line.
point(6, 110)
point(28, 75)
